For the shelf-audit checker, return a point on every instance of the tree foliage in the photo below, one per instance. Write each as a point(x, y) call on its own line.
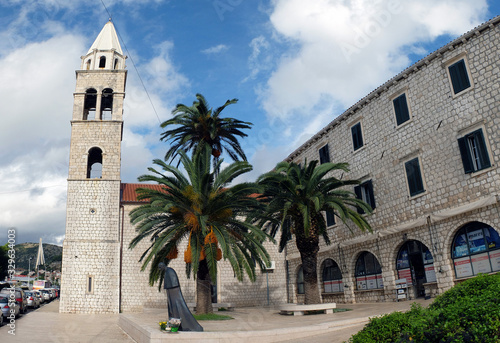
point(199, 214)
point(296, 198)
point(197, 125)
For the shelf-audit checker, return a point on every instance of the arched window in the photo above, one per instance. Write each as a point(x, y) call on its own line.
point(94, 164)
point(368, 272)
point(476, 249)
point(88, 64)
point(332, 277)
point(102, 62)
point(300, 281)
point(107, 104)
point(89, 106)
point(415, 264)
point(115, 66)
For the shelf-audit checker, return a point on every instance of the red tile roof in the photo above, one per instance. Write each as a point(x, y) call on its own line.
point(129, 194)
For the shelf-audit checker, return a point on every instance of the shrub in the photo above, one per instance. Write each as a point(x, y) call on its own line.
point(469, 312)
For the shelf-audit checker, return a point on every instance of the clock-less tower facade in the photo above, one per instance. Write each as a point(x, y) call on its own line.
point(91, 249)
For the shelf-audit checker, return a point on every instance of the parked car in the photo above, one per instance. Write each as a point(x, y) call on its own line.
point(46, 295)
point(39, 296)
point(52, 293)
point(6, 307)
point(33, 300)
point(20, 298)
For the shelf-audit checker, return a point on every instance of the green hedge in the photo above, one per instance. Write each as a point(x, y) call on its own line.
point(469, 312)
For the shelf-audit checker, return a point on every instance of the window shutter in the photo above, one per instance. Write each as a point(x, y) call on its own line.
point(415, 183)
point(330, 218)
point(369, 186)
point(324, 155)
point(401, 109)
point(483, 152)
point(354, 133)
point(357, 138)
point(459, 77)
point(360, 136)
point(357, 191)
point(466, 157)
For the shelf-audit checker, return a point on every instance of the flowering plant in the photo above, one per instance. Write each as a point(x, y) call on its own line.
point(174, 322)
point(163, 325)
point(172, 325)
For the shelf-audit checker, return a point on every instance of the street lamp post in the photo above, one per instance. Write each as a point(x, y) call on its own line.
point(29, 271)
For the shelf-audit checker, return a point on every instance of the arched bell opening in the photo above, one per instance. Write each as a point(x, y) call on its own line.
point(94, 164)
point(90, 103)
point(107, 104)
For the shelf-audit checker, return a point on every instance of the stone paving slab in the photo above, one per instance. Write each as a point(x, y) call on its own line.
point(263, 325)
point(249, 325)
point(48, 325)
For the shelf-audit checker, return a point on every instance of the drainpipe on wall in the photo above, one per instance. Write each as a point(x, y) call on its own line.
point(429, 226)
point(287, 277)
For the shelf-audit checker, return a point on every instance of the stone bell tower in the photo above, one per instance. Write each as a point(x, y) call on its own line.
point(91, 249)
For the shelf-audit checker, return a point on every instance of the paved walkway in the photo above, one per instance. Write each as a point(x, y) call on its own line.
point(47, 325)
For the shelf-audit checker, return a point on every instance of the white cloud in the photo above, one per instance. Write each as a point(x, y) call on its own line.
point(215, 49)
point(347, 48)
point(36, 97)
point(37, 103)
point(261, 58)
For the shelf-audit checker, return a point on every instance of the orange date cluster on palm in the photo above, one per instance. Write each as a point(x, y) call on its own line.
point(210, 238)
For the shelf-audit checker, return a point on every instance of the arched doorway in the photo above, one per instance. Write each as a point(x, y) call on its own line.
point(415, 264)
point(332, 277)
point(476, 249)
point(368, 272)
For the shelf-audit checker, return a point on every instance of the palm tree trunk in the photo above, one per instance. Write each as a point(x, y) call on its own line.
point(203, 289)
point(308, 247)
point(311, 289)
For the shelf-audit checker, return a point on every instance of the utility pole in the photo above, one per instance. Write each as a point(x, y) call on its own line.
point(29, 271)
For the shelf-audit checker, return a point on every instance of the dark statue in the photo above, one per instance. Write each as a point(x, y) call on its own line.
point(177, 307)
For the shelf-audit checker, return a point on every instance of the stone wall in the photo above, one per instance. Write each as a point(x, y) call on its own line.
point(136, 294)
point(91, 249)
point(438, 118)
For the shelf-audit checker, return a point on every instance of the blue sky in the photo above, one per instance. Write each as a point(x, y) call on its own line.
point(293, 65)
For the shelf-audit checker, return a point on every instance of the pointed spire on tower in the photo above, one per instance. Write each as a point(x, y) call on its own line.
point(106, 51)
point(40, 259)
point(107, 39)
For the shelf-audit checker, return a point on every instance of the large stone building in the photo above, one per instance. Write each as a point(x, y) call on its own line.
point(425, 145)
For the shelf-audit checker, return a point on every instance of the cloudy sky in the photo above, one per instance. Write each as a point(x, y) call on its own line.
point(293, 64)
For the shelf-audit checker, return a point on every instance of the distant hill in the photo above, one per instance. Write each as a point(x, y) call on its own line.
point(52, 253)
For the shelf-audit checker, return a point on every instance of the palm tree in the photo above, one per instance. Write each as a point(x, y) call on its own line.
point(296, 197)
point(199, 214)
point(198, 124)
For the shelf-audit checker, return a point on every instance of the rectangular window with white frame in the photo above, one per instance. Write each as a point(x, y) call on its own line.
point(414, 177)
point(474, 151)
